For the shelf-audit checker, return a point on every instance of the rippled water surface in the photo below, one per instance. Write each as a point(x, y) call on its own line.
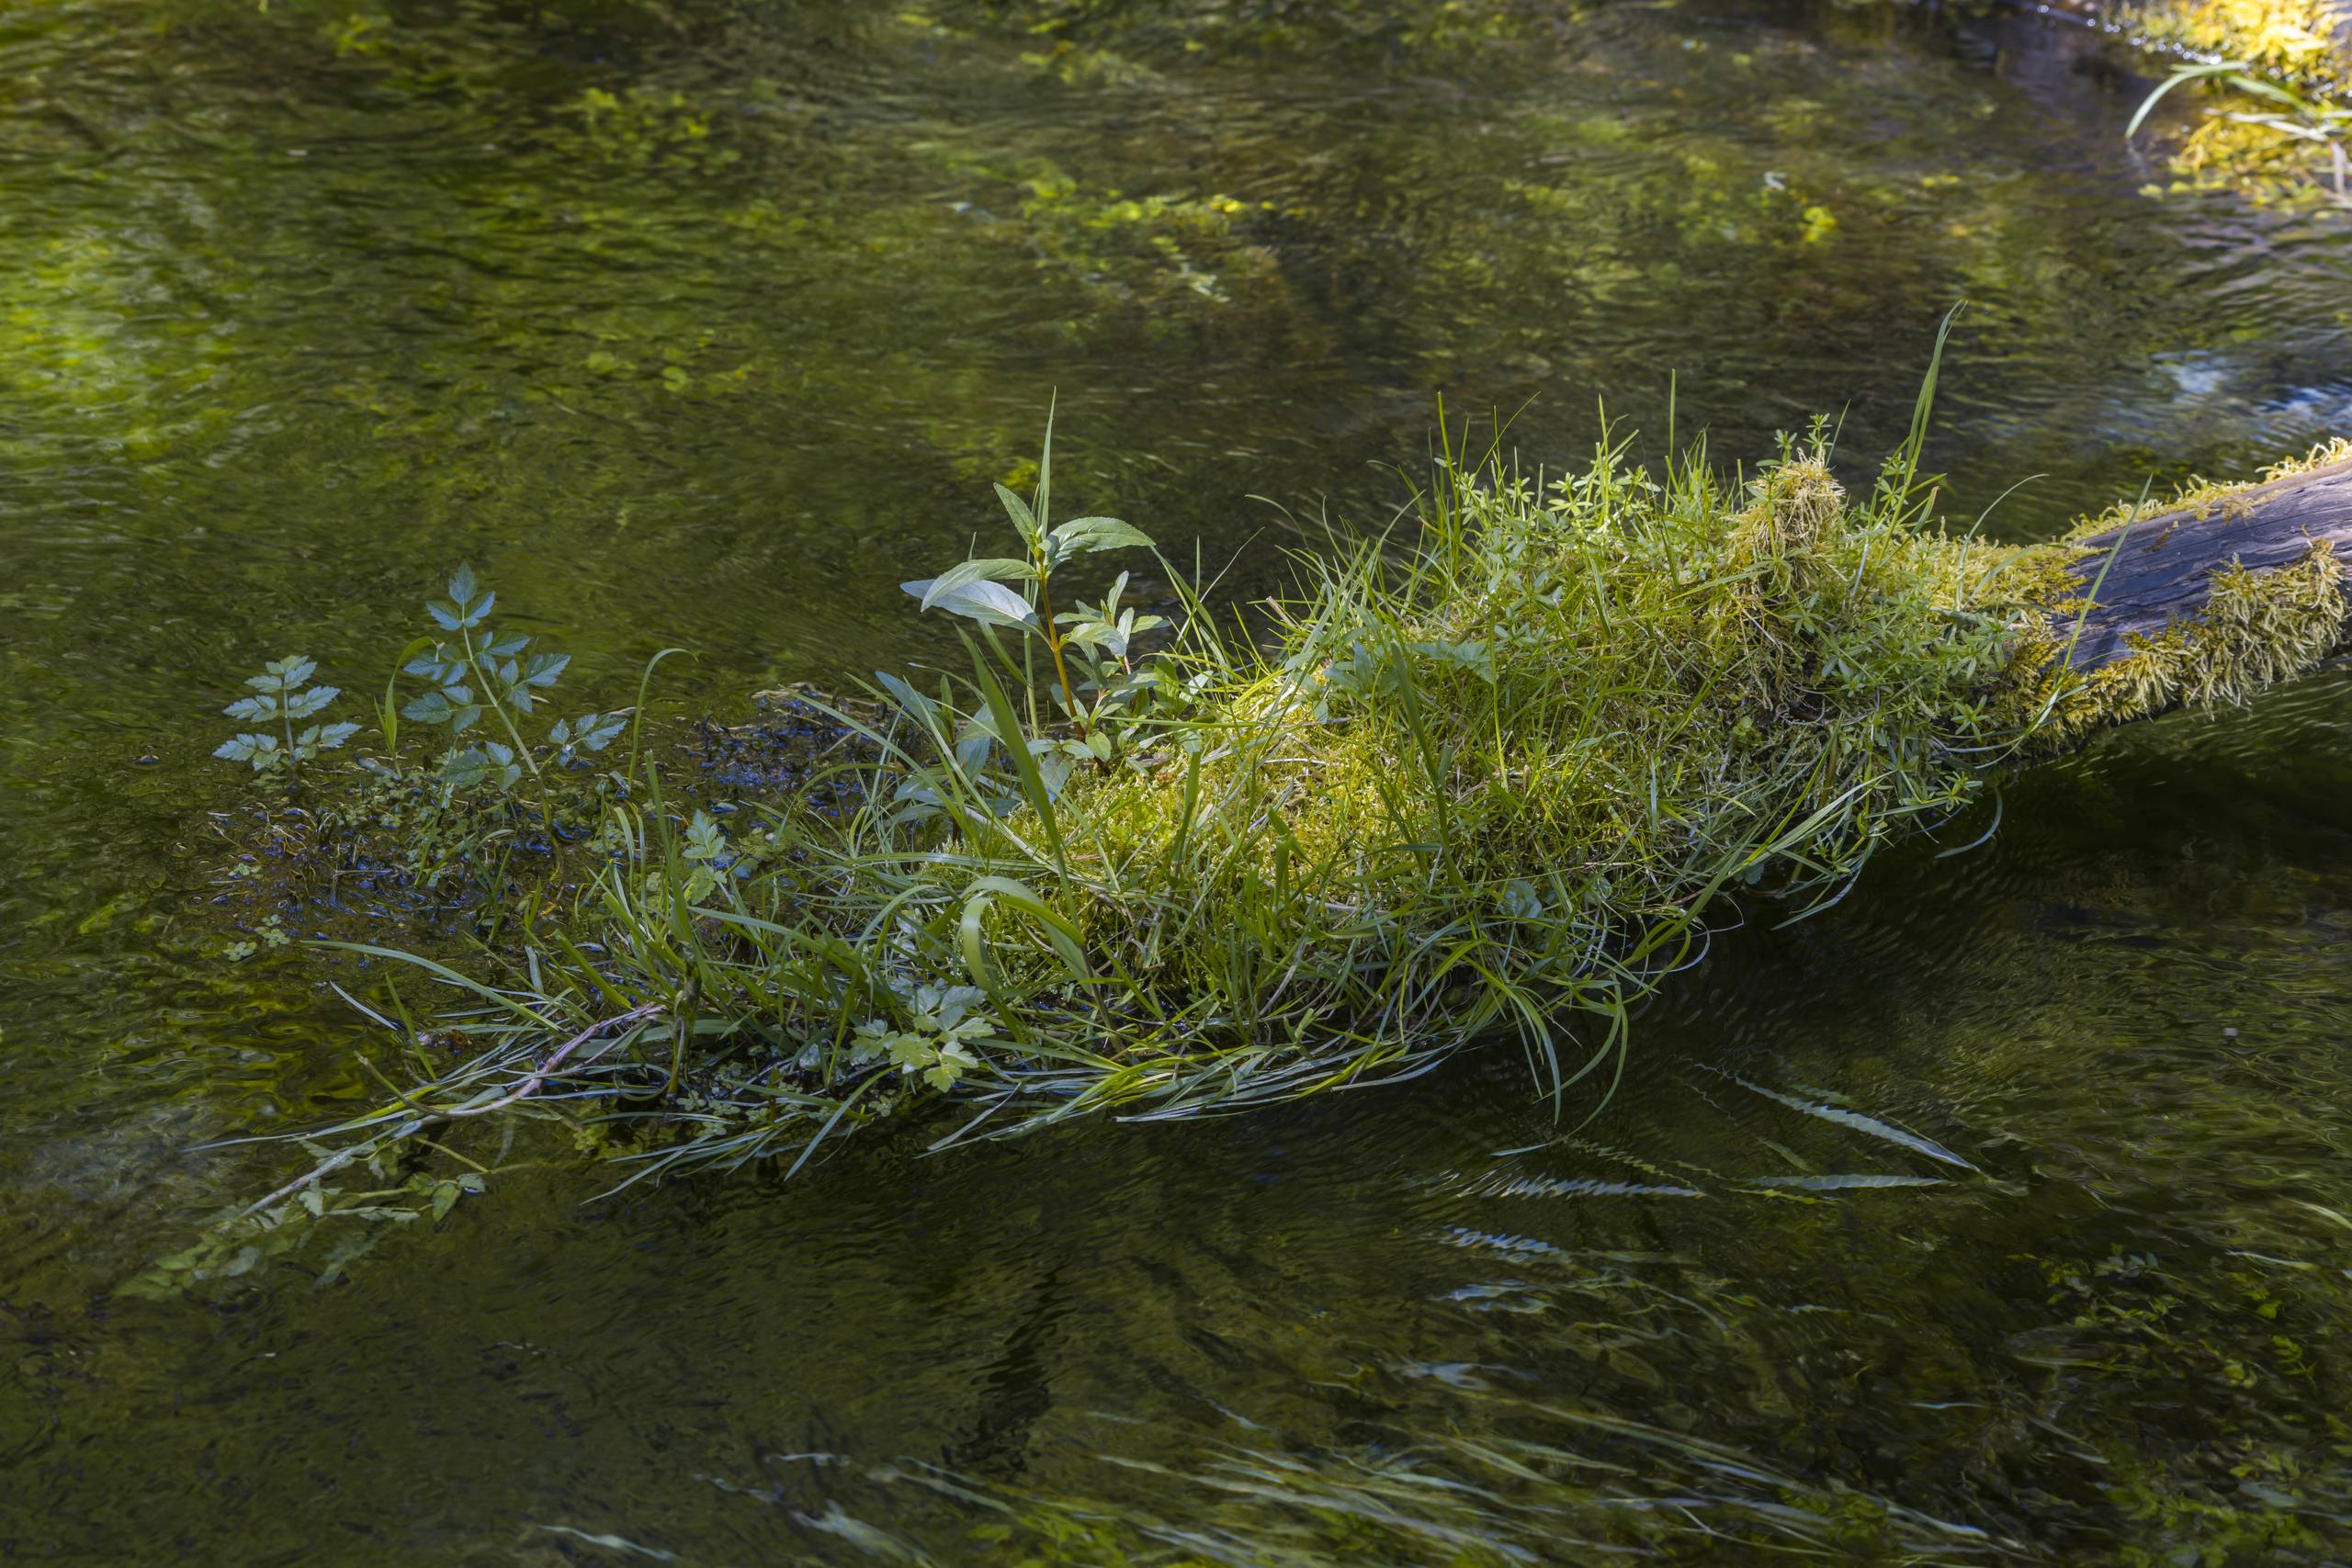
point(2003, 1213)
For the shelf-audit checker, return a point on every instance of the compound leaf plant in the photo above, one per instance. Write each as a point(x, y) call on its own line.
point(282, 697)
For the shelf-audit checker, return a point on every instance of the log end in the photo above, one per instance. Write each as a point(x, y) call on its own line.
point(2226, 591)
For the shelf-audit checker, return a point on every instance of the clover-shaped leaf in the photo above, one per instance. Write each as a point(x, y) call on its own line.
point(949, 1063)
point(704, 841)
point(283, 674)
point(468, 603)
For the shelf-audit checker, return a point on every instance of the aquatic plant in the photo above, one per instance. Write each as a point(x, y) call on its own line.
point(502, 676)
point(423, 818)
point(282, 695)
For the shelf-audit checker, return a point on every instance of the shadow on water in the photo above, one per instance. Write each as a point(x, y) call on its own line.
point(2005, 1211)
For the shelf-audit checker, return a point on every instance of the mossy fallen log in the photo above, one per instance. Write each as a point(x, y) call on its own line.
point(1501, 781)
point(2146, 577)
point(2221, 592)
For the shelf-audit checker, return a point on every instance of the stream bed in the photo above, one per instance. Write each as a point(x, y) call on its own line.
point(2001, 1214)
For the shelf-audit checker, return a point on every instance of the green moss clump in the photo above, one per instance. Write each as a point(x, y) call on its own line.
point(2296, 39)
point(2303, 48)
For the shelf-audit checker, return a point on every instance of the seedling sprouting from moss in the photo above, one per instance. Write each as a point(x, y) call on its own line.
point(1098, 638)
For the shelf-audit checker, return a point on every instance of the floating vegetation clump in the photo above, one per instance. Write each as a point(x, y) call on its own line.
point(2307, 41)
point(1496, 781)
point(2284, 133)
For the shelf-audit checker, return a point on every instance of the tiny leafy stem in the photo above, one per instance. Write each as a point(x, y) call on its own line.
point(473, 659)
point(1055, 642)
point(501, 674)
point(281, 695)
point(977, 590)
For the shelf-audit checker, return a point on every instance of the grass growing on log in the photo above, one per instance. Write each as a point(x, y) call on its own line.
point(1491, 785)
point(1494, 781)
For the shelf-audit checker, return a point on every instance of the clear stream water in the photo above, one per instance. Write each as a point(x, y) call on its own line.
point(2004, 1213)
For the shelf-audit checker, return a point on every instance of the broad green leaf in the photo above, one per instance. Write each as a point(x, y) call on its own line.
point(913, 702)
point(993, 603)
point(934, 589)
point(257, 709)
point(1087, 536)
point(335, 735)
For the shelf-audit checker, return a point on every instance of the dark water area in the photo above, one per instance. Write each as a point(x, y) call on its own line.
point(2004, 1213)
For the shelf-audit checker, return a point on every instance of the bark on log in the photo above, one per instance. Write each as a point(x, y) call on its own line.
point(2160, 568)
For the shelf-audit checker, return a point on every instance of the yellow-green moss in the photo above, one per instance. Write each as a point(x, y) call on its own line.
point(2255, 628)
point(2245, 142)
point(2296, 39)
